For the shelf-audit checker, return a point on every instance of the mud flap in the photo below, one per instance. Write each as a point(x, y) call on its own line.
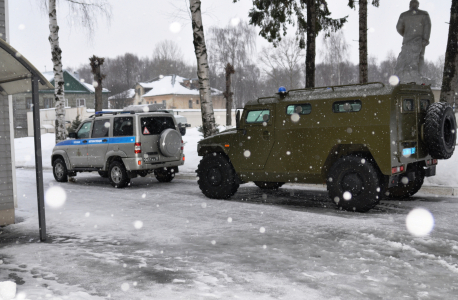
point(396, 179)
point(430, 171)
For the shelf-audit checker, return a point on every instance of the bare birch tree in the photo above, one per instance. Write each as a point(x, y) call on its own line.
point(85, 12)
point(284, 59)
point(200, 48)
point(336, 53)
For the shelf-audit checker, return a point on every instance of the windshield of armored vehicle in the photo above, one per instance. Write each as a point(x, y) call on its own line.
point(258, 116)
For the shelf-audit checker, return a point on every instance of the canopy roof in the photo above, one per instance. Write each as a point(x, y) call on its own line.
point(16, 72)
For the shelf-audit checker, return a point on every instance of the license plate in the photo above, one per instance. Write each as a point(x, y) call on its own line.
point(151, 159)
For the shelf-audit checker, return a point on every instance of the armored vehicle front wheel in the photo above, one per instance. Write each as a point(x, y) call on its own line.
point(59, 170)
point(118, 175)
point(217, 177)
point(403, 191)
point(268, 185)
point(164, 175)
point(103, 174)
point(354, 184)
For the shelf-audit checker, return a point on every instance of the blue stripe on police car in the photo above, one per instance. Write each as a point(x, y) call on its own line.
point(97, 141)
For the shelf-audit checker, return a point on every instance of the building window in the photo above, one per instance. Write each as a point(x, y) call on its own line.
point(163, 103)
point(28, 103)
point(190, 103)
point(139, 91)
point(80, 102)
point(155, 102)
point(66, 102)
point(47, 102)
point(197, 101)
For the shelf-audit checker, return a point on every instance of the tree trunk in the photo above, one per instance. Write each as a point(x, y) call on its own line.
point(56, 52)
point(311, 44)
point(96, 63)
point(450, 78)
point(363, 73)
point(228, 94)
point(208, 117)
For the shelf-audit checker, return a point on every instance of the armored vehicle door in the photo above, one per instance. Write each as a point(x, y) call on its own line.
point(77, 152)
point(258, 136)
point(408, 125)
point(98, 143)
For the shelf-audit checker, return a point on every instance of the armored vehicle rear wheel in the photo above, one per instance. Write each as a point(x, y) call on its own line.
point(103, 174)
point(164, 175)
point(268, 185)
point(59, 170)
point(403, 191)
point(118, 175)
point(217, 177)
point(354, 184)
point(440, 130)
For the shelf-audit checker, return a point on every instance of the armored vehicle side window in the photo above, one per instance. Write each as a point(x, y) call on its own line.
point(155, 125)
point(346, 106)
point(101, 128)
point(424, 103)
point(84, 131)
point(408, 105)
point(258, 116)
point(301, 109)
point(123, 126)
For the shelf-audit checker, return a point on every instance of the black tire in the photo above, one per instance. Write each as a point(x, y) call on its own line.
point(404, 191)
point(143, 173)
point(164, 175)
point(360, 178)
point(217, 177)
point(103, 174)
point(440, 130)
point(59, 170)
point(268, 185)
point(117, 175)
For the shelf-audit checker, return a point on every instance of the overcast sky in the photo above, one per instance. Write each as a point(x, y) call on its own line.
point(137, 25)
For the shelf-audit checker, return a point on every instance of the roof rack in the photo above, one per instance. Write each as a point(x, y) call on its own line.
point(101, 113)
point(337, 86)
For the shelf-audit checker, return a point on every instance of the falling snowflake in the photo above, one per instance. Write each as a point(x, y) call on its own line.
point(419, 222)
point(175, 27)
point(347, 196)
point(394, 80)
point(55, 196)
point(138, 224)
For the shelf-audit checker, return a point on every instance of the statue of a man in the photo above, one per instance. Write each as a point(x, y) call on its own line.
point(415, 27)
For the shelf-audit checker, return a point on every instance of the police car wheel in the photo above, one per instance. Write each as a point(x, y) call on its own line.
point(164, 175)
point(59, 170)
point(354, 184)
point(118, 175)
point(217, 177)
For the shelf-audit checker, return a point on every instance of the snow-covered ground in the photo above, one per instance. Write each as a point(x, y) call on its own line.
point(167, 241)
point(24, 148)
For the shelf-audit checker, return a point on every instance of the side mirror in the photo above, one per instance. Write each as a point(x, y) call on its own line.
point(72, 135)
point(237, 119)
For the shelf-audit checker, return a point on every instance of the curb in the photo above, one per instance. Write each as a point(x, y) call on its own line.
point(428, 189)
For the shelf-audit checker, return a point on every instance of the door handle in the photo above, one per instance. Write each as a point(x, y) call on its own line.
point(84, 141)
point(266, 135)
point(104, 140)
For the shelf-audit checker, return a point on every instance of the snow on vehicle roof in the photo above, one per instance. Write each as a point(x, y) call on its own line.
point(171, 84)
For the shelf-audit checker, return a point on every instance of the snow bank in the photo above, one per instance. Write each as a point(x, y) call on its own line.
point(25, 157)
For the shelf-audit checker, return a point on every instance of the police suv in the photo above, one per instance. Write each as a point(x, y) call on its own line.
point(121, 146)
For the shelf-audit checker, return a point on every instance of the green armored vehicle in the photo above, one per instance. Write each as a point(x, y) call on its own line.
point(366, 142)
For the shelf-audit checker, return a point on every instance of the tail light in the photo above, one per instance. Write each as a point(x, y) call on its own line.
point(138, 148)
point(434, 161)
point(395, 170)
point(182, 145)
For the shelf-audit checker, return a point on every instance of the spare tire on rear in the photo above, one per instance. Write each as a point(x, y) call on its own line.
point(170, 142)
point(440, 130)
